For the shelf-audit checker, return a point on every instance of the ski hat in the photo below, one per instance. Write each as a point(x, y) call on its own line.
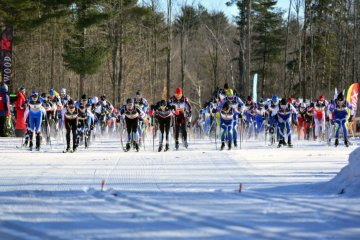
point(298, 100)
point(302, 105)
point(71, 103)
point(103, 97)
point(52, 92)
point(340, 97)
point(229, 92)
point(249, 98)
point(178, 91)
point(130, 103)
point(163, 103)
point(262, 102)
point(63, 91)
point(83, 97)
point(275, 99)
point(138, 94)
point(283, 101)
point(226, 86)
point(290, 100)
point(81, 107)
point(226, 107)
point(43, 95)
point(22, 89)
point(34, 93)
point(321, 98)
point(4, 87)
point(96, 100)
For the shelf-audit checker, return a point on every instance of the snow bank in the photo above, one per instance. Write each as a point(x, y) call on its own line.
point(347, 181)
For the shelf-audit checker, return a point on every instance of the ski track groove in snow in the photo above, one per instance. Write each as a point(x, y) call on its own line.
point(166, 185)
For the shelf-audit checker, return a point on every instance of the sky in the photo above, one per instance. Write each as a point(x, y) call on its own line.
point(230, 11)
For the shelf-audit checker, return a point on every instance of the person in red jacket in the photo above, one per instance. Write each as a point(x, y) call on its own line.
point(20, 127)
point(4, 108)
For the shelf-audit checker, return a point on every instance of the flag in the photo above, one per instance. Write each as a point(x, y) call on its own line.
point(255, 88)
point(6, 55)
point(352, 96)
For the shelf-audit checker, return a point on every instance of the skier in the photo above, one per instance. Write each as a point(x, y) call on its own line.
point(283, 112)
point(222, 92)
point(143, 105)
point(50, 109)
point(70, 115)
point(319, 115)
point(339, 107)
point(180, 102)
point(250, 112)
point(132, 114)
point(83, 128)
point(34, 107)
point(273, 124)
point(227, 116)
point(4, 108)
point(63, 97)
point(260, 118)
point(235, 103)
point(164, 111)
point(332, 117)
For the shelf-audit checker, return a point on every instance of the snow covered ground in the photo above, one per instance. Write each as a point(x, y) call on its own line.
point(187, 194)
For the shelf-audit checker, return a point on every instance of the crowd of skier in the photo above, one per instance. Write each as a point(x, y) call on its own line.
point(225, 117)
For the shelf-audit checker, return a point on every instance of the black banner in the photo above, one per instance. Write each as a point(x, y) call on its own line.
point(6, 55)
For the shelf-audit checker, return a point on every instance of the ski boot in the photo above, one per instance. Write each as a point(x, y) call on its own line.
point(229, 145)
point(280, 143)
point(186, 144)
point(137, 147)
point(222, 146)
point(160, 147)
point(67, 148)
point(346, 142)
point(336, 142)
point(26, 142)
point(31, 145)
point(177, 144)
point(235, 144)
point(289, 143)
point(283, 142)
point(127, 148)
point(74, 148)
point(166, 147)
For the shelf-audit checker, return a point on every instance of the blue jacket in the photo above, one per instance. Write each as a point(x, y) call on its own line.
point(5, 103)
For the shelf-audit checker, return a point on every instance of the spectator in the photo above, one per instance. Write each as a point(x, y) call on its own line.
point(20, 127)
point(4, 108)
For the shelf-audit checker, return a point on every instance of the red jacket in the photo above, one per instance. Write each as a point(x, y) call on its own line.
point(20, 100)
point(20, 121)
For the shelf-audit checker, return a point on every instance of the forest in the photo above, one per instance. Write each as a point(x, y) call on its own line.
point(118, 47)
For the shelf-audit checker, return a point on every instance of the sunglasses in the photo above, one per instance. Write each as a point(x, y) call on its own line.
point(71, 107)
point(230, 96)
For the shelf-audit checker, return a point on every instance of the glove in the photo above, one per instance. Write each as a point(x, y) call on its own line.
point(266, 107)
point(312, 104)
point(151, 112)
point(332, 122)
point(351, 118)
point(274, 124)
point(240, 116)
point(327, 119)
point(176, 112)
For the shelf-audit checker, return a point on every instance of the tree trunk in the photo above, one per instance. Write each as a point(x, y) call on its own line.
point(241, 51)
point(355, 42)
point(168, 62)
point(248, 44)
point(286, 46)
point(305, 35)
point(339, 47)
point(311, 55)
point(82, 76)
point(299, 42)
